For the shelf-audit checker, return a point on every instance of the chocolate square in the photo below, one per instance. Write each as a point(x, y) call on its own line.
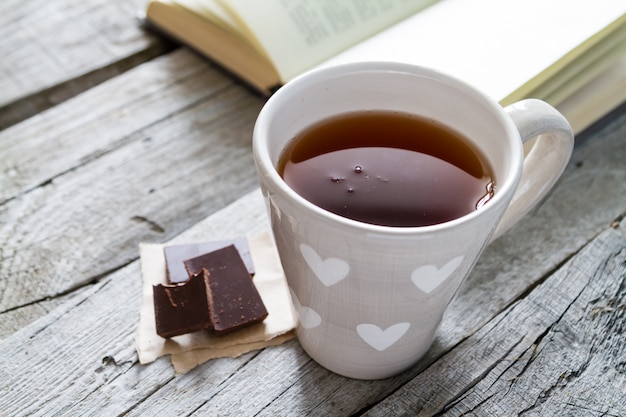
point(182, 308)
point(234, 301)
point(175, 255)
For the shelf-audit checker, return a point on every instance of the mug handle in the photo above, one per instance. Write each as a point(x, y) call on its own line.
point(546, 160)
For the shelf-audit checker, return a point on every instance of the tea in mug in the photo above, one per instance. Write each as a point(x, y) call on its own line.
point(387, 168)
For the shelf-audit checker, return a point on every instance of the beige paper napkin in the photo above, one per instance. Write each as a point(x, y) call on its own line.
point(192, 349)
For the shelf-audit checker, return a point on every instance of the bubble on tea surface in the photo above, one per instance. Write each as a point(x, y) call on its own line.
point(358, 169)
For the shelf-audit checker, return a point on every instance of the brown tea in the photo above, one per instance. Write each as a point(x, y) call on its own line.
point(387, 168)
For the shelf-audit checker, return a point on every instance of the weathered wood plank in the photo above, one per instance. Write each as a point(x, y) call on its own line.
point(162, 158)
point(52, 51)
point(95, 123)
point(14, 319)
point(559, 351)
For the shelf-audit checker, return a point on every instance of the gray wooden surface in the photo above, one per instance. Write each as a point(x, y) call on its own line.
point(110, 135)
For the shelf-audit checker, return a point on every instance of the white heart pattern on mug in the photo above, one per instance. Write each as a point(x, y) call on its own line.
point(329, 271)
point(309, 318)
point(381, 339)
point(429, 277)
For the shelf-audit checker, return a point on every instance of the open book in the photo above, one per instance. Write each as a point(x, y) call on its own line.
point(571, 53)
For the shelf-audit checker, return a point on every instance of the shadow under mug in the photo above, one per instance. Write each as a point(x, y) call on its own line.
point(370, 298)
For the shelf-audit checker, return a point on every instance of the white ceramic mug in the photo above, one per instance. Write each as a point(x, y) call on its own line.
point(370, 298)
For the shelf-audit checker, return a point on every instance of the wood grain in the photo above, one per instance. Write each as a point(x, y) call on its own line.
point(101, 120)
point(52, 51)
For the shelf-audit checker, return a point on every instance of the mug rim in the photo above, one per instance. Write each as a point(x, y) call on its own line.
point(268, 171)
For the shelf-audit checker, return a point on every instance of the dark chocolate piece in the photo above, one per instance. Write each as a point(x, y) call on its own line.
point(234, 301)
point(182, 308)
point(176, 254)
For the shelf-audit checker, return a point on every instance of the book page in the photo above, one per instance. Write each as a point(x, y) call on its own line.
point(212, 10)
point(215, 12)
point(598, 97)
point(504, 48)
point(298, 34)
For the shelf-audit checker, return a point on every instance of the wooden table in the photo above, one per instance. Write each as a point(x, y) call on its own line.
point(111, 136)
